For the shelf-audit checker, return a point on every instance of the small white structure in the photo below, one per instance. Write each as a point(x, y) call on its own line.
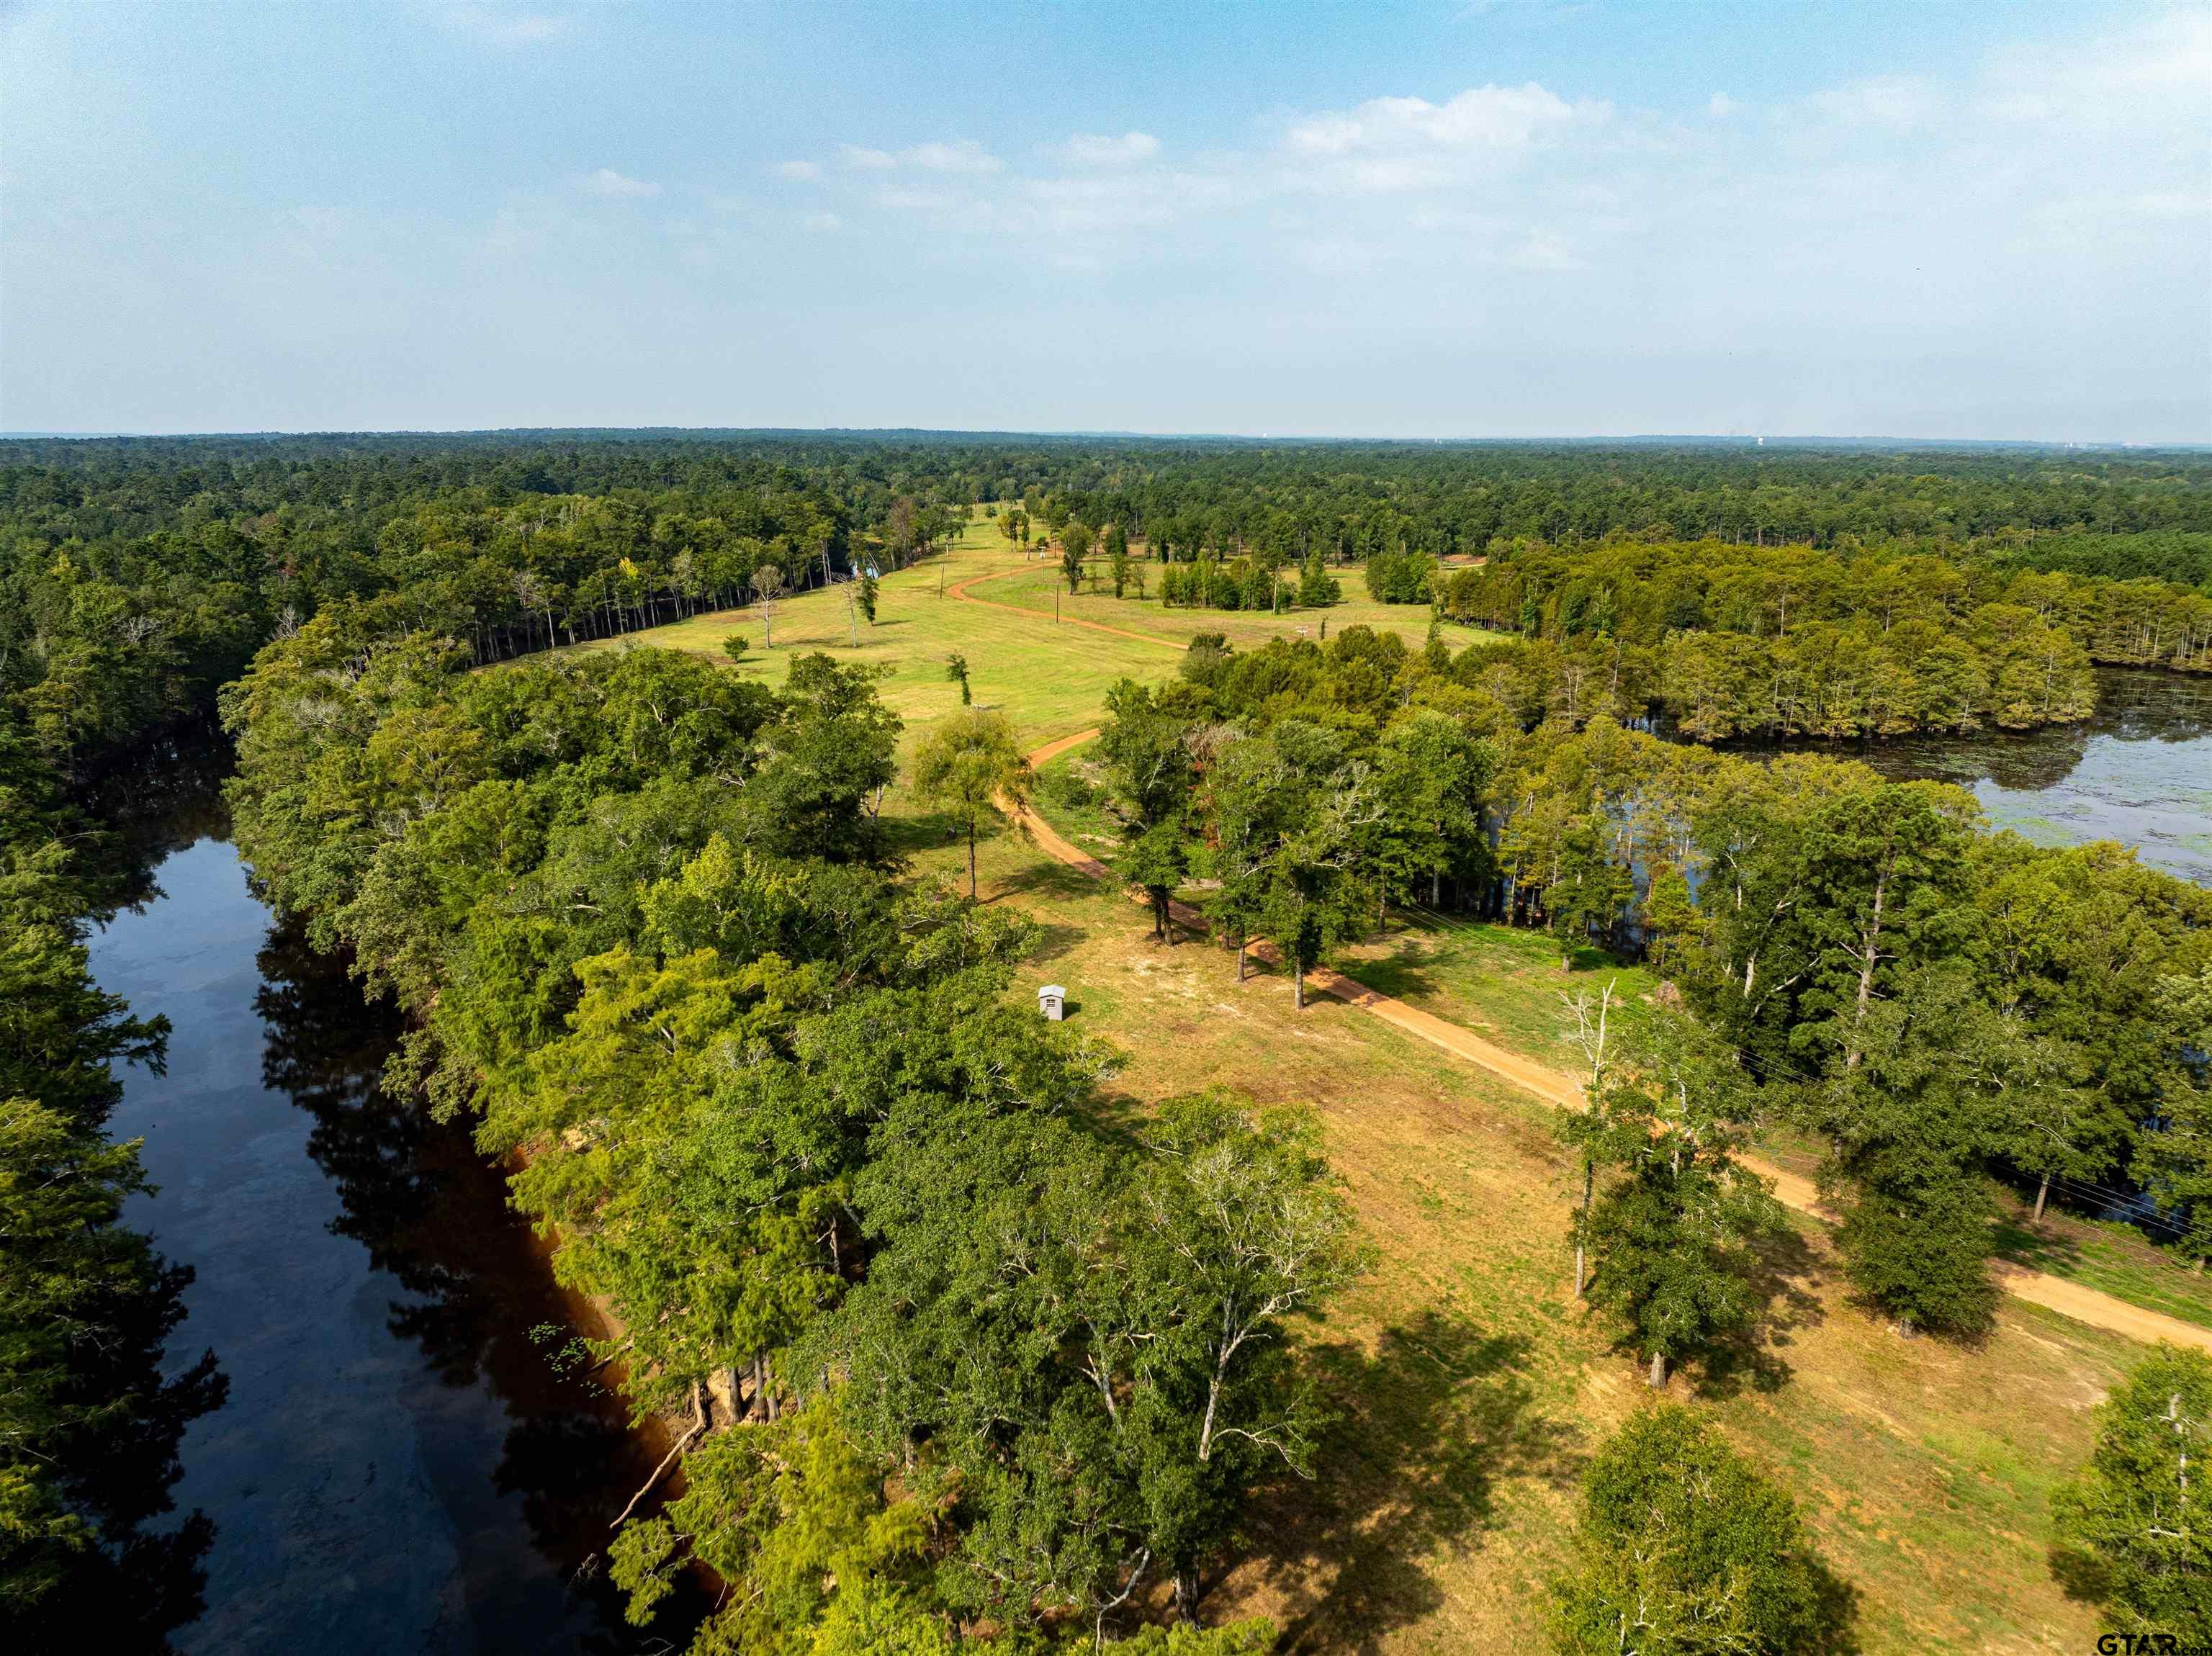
point(1051, 1001)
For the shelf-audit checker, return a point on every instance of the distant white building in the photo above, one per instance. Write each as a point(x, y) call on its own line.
point(1051, 1001)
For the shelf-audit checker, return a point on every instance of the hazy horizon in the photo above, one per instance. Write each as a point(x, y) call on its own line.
point(983, 434)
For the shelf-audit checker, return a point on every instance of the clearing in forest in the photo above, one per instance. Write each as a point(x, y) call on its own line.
point(1049, 677)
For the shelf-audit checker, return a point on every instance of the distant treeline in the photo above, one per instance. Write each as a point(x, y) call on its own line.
point(1350, 499)
point(1794, 641)
point(138, 574)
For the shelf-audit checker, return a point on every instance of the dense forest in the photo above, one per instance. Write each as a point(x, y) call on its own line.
point(141, 573)
point(947, 1355)
point(1788, 641)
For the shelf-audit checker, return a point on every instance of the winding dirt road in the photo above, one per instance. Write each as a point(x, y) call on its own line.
point(2084, 1305)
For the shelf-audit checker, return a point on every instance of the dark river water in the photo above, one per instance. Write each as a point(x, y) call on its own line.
point(401, 1466)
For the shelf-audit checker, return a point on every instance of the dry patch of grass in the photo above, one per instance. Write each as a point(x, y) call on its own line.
point(1471, 1386)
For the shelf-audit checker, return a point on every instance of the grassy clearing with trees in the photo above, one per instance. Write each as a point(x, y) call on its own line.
point(1474, 1388)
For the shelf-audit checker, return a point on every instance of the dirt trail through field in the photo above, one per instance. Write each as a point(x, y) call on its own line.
point(2085, 1305)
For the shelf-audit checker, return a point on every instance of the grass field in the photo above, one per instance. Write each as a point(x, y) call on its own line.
point(1471, 1386)
point(1040, 587)
point(1049, 677)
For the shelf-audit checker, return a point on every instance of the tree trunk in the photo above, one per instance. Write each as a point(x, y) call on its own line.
point(1657, 1378)
point(698, 1425)
point(971, 861)
point(1186, 1597)
point(1589, 1191)
point(1242, 944)
point(1298, 982)
point(2042, 1194)
point(1866, 971)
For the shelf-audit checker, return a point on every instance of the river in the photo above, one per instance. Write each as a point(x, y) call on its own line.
point(401, 1466)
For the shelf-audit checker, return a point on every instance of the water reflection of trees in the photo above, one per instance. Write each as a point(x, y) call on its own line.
point(167, 797)
point(134, 1585)
point(415, 1193)
point(101, 1386)
point(2132, 706)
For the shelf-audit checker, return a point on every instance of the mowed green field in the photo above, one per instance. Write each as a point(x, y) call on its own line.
point(1042, 588)
point(1050, 678)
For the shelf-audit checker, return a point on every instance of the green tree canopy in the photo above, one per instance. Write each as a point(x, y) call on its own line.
point(972, 767)
point(2135, 1526)
point(1684, 1548)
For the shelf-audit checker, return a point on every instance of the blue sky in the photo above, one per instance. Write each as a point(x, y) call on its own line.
point(1936, 220)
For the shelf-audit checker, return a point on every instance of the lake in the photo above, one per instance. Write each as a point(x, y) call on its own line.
point(2140, 772)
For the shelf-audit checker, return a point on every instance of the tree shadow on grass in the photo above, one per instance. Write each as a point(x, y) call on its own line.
point(1587, 957)
point(1428, 1426)
point(1787, 1274)
point(1054, 940)
point(1046, 879)
point(2019, 1242)
point(1401, 974)
point(906, 832)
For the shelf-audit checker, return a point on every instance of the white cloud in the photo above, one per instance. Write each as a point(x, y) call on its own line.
point(498, 26)
point(615, 186)
point(1109, 205)
point(1899, 103)
point(799, 172)
point(1720, 106)
point(961, 155)
point(2158, 73)
point(1488, 117)
point(1540, 250)
point(1098, 150)
point(1397, 144)
point(823, 221)
point(914, 201)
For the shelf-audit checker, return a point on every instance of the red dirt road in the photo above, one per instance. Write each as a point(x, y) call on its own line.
point(2084, 1305)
